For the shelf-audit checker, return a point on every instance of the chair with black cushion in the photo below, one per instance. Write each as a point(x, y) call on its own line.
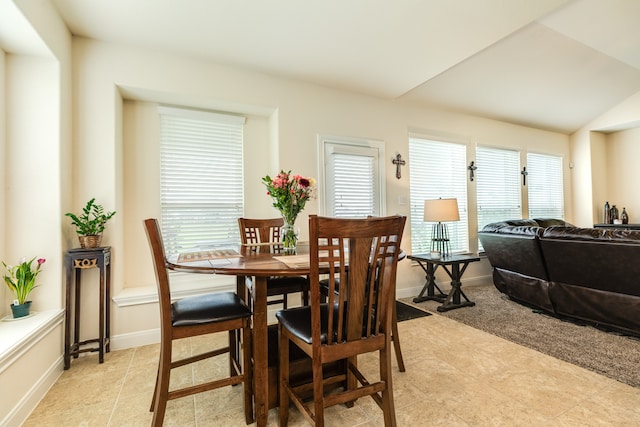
point(264, 235)
point(355, 319)
point(195, 316)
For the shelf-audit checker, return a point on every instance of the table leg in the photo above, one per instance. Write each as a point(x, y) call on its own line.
point(453, 299)
point(67, 316)
point(430, 286)
point(102, 314)
point(260, 351)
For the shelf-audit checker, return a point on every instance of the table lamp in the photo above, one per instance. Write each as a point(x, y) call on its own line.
point(439, 211)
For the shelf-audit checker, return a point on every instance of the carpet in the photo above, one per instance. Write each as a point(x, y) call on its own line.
point(406, 312)
point(608, 353)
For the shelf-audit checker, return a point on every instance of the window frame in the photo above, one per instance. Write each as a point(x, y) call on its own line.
point(353, 145)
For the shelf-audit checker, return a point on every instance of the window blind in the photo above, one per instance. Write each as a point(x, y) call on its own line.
point(437, 169)
point(201, 179)
point(544, 186)
point(497, 185)
point(351, 180)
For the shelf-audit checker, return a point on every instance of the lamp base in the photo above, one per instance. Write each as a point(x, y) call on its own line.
point(440, 239)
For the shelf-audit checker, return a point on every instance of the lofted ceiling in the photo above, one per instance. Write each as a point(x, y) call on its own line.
point(549, 64)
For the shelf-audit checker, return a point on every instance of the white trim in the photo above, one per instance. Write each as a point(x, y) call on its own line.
point(16, 338)
point(20, 412)
point(324, 139)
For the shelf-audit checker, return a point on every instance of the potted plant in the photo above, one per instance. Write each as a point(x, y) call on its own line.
point(90, 224)
point(21, 279)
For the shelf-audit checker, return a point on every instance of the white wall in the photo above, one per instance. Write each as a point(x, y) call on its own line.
point(285, 118)
point(35, 153)
point(592, 148)
point(623, 154)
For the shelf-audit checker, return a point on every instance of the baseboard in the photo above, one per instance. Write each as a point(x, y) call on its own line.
point(20, 412)
point(135, 339)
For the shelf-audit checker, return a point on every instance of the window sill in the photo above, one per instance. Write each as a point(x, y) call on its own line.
point(17, 336)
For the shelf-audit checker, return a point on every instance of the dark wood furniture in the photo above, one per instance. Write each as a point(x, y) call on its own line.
point(75, 261)
point(194, 316)
point(260, 234)
point(260, 265)
point(618, 226)
point(360, 257)
point(458, 264)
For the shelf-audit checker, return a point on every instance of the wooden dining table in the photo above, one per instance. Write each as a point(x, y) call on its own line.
point(258, 262)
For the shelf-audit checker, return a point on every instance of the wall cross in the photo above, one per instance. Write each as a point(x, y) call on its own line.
point(398, 162)
point(524, 174)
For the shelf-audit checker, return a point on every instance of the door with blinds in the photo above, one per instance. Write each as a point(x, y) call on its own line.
point(352, 179)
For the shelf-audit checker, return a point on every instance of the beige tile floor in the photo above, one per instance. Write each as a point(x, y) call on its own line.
point(456, 376)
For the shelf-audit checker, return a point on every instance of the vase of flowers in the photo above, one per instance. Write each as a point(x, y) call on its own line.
point(21, 279)
point(290, 194)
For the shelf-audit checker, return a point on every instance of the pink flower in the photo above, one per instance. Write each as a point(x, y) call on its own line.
point(41, 261)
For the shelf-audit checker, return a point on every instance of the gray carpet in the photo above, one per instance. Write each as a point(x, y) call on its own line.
point(607, 353)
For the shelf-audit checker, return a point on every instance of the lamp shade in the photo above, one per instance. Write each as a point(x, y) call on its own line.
point(441, 210)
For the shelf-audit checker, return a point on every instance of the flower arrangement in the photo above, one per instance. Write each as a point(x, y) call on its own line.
point(290, 194)
point(21, 279)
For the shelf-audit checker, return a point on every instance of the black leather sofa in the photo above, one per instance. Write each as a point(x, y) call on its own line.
point(589, 274)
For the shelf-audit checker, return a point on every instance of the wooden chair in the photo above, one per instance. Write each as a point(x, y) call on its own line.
point(264, 233)
point(356, 319)
point(194, 316)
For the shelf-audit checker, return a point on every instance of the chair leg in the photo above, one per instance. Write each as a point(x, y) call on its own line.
point(161, 392)
point(388, 408)
point(247, 370)
point(318, 392)
point(395, 337)
point(283, 378)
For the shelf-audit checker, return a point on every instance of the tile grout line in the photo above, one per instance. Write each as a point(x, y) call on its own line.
point(115, 404)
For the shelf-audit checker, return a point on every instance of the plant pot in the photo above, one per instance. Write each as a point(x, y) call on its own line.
point(21, 310)
point(92, 241)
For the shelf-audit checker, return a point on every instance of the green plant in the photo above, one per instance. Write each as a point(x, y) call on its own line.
point(92, 220)
point(21, 279)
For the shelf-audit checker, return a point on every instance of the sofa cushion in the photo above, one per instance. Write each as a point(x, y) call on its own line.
point(549, 222)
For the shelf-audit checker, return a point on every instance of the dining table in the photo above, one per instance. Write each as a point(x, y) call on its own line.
point(258, 262)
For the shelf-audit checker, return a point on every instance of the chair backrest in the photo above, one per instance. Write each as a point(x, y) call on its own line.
point(254, 231)
point(160, 266)
point(362, 257)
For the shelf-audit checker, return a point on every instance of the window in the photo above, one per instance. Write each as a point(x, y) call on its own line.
point(544, 186)
point(437, 169)
point(498, 188)
point(352, 174)
point(201, 179)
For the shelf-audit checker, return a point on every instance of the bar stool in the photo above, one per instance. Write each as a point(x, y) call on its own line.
point(76, 260)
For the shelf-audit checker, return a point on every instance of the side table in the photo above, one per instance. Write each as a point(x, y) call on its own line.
point(430, 265)
point(76, 260)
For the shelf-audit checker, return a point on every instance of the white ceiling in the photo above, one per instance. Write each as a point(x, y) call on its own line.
point(550, 64)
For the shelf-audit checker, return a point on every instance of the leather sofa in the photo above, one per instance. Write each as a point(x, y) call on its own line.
point(589, 274)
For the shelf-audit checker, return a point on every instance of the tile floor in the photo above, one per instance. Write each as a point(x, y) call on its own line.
point(456, 376)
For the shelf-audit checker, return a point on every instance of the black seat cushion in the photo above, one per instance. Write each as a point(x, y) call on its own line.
point(285, 284)
point(208, 308)
point(298, 321)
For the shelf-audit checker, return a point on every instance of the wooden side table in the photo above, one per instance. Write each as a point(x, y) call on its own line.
point(430, 265)
point(76, 260)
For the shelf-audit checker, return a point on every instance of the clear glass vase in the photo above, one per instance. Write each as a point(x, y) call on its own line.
point(289, 234)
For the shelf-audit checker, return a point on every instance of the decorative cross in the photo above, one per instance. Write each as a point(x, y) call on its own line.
point(524, 174)
point(398, 162)
point(472, 167)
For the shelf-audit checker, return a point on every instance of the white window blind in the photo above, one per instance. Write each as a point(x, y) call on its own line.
point(352, 180)
point(498, 185)
point(544, 186)
point(201, 174)
point(437, 169)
